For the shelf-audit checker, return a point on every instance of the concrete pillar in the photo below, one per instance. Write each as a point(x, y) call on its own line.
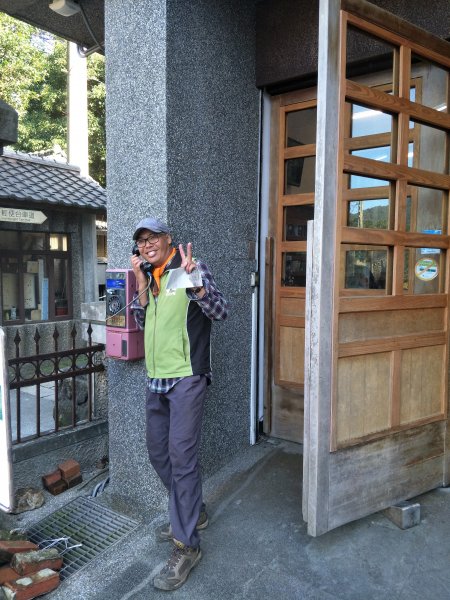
point(135, 41)
point(182, 136)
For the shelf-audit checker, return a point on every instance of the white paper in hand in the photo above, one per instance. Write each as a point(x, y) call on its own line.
point(178, 278)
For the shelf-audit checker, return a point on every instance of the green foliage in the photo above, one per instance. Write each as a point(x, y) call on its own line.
point(33, 67)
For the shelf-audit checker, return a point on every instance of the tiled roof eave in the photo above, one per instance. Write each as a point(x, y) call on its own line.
point(25, 178)
point(54, 201)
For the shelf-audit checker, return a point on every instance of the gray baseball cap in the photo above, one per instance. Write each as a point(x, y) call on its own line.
point(151, 224)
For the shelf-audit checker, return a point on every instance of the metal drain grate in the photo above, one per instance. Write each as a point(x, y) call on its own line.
point(83, 522)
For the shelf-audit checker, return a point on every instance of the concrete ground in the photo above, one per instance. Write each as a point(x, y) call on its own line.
point(256, 546)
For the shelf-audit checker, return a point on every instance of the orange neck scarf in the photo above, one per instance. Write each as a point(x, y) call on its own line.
point(158, 271)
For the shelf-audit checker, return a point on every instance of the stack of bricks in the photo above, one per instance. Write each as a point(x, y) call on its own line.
point(66, 476)
point(26, 572)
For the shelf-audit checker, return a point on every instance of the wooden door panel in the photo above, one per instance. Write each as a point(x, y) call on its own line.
point(287, 414)
point(363, 397)
point(366, 325)
point(292, 307)
point(292, 355)
point(421, 383)
point(386, 248)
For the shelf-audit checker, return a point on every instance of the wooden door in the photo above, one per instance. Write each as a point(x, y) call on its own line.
point(377, 392)
point(293, 176)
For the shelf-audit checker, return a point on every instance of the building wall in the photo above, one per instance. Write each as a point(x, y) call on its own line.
point(212, 154)
point(287, 36)
point(182, 130)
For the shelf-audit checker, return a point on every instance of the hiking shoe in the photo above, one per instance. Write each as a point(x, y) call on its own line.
point(164, 532)
point(181, 562)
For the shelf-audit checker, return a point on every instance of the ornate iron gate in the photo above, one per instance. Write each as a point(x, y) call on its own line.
point(72, 372)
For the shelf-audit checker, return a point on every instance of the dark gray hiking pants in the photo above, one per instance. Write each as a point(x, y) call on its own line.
point(174, 424)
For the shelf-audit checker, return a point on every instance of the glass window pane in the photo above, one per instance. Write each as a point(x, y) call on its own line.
point(365, 269)
point(410, 154)
point(10, 290)
point(359, 181)
point(426, 208)
point(35, 288)
point(424, 271)
point(299, 175)
point(432, 82)
point(60, 272)
point(360, 43)
point(429, 150)
point(381, 153)
point(32, 241)
point(370, 213)
point(368, 121)
point(301, 127)
point(295, 222)
point(9, 240)
point(58, 242)
point(294, 269)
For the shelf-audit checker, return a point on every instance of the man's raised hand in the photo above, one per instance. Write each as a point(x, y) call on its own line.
point(187, 262)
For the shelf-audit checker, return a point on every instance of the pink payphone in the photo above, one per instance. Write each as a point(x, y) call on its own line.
point(123, 338)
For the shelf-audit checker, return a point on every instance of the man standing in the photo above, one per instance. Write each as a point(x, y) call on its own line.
point(177, 327)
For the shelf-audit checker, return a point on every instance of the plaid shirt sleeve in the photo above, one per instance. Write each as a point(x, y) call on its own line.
point(138, 311)
point(213, 303)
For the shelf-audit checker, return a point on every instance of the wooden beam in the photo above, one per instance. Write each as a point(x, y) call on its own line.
point(383, 237)
point(349, 305)
point(300, 151)
point(369, 96)
point(374, 168)
point(401, 342)
point(321, 282)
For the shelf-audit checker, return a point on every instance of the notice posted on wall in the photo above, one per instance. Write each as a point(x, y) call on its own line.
point(6, 479)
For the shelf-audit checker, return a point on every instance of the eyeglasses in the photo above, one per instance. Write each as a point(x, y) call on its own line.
point(151, 239)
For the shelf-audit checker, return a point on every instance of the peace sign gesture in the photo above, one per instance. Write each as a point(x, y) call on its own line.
point(187, 262)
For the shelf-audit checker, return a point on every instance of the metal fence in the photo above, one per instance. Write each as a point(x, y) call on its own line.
point(58, 385)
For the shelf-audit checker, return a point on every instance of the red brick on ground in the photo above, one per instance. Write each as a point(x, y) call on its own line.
point(73, 481)
point(10, 547)
point(8, 574)
point(31, 586)
point(58, 487)
point(26, 563)
point(69, 468)
point(51, 478)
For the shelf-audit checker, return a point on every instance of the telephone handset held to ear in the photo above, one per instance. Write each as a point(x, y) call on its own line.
point(146, 267)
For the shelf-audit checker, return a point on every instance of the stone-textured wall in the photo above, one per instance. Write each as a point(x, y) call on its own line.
point(212, 125)
point(182, 127)
point(87, 445)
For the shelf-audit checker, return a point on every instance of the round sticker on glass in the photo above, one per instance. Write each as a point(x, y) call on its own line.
point(426, 269)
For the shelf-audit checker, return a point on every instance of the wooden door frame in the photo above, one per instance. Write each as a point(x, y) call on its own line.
point(279, 105)
point(322, 466)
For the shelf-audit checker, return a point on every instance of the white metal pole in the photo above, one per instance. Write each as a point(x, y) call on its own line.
point(77, 118)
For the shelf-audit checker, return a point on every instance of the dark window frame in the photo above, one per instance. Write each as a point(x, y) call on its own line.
point(49, 256)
